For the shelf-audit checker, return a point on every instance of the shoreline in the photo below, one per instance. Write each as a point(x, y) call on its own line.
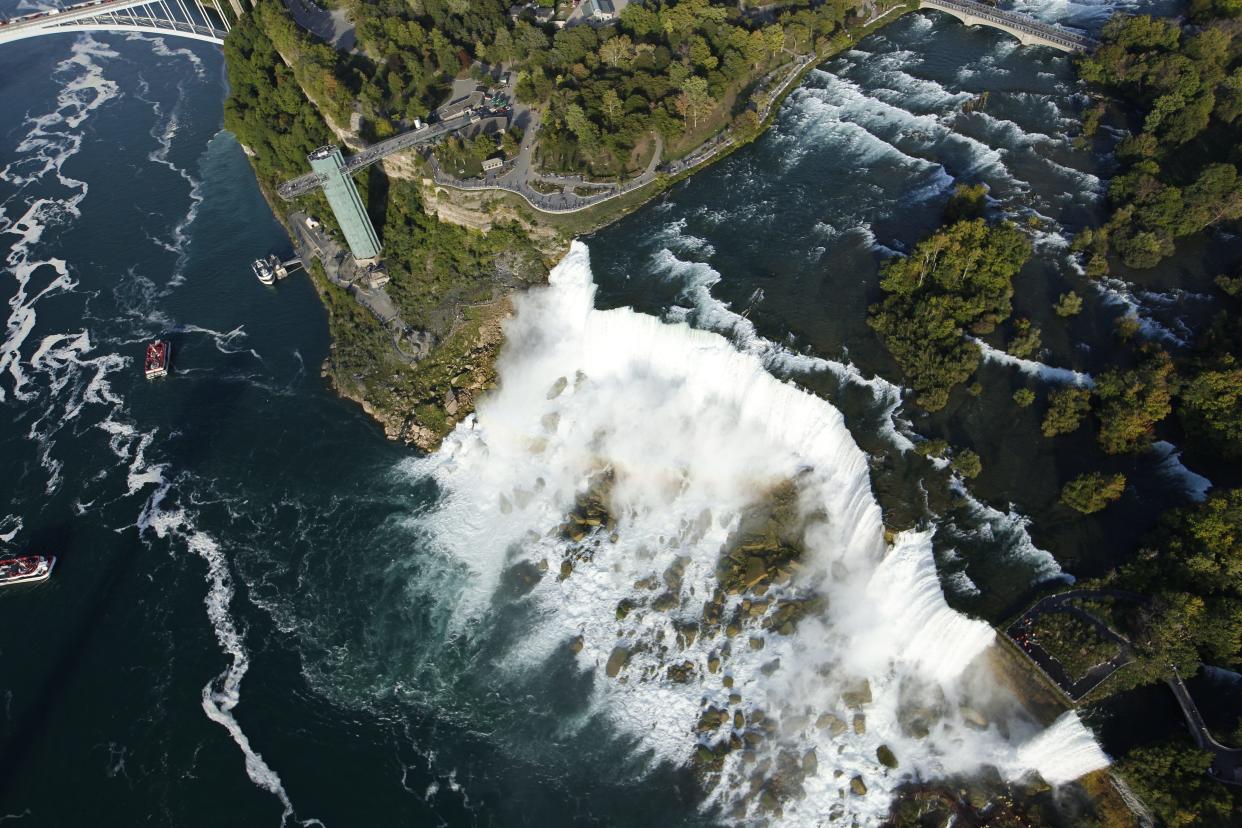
point(548, 231)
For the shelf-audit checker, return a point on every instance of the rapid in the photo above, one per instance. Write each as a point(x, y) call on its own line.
point(683, 566)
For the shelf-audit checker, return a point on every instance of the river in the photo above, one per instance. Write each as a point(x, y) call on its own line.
point(265, 613)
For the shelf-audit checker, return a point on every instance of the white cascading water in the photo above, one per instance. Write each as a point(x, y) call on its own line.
point(693, 435)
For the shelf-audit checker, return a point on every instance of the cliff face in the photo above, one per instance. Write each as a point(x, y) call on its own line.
point(447, 384)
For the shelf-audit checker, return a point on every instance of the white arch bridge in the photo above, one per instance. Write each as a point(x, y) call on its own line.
point(181, 18)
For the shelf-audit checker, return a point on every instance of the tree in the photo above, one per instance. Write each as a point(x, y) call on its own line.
point(580, 125)
point(966, 462)
point(639, 21)
point(617, 51)
point(1133, 402)
point(694, 103)
point(1066, 408)
point(1211, 406)
point(1024, 397)
point(1068, 304)
point(1172, 780)
point(1089, 493)
point(1216, 195)
point(774, 39)
point(610, 103)
point(1025, 341)
point(958, 280)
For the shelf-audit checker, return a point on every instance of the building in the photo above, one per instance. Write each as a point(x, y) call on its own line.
point(599, 10)
point(460, 106)
point(343, 198)
point(492, 164)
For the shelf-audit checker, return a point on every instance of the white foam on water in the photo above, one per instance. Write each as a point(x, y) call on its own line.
point(51, 139)
point(221, 695)
point(164, 131)
point(710, 313)
point(1033, 368)
point(10, 525)
point(675, 236)
point(1064, 752)
point(1120, 293)
point(1009, 531)
point(160, 48)
point(692, 432)
point(1170, 466)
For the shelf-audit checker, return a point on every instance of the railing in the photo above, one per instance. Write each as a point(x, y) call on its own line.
point(303, 184)
point(175, 17)
point(1016, 22)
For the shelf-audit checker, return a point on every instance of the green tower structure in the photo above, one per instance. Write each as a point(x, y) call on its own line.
point(345, 203)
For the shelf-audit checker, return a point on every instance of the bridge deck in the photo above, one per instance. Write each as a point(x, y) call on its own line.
point(1018, 24)
point(303, 184)
point(188, 18)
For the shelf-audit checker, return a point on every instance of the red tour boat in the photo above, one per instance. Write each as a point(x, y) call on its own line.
point(27, 569)
point(156, 364)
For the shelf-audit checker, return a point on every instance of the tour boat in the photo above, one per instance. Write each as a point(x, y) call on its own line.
point(264, 271)
point(156, 363)
point(28, 569)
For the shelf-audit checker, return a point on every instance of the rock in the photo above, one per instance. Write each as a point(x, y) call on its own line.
point(831, 723)
point(858, 694)
point(739, 720)
point(810, 762)
point(860, 723)
point(974, 718)
point(756, 643)
point(858, 786)
point(712, 719)
point(770, 667)
point(727, 681)
point(624, 606)
point(619, 658)
point(575, 645)
point(557, 388)
point(886, 756)
point(567, 569)
point(667, 601)
point(713, 664)
point(681, 673)
point(758, 608)
point(916, 728)
point(732, 629)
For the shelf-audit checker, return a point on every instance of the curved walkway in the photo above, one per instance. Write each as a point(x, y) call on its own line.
point(1226, 761)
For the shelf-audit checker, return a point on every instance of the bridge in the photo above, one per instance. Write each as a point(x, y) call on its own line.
point(1028, 30)
point(304, 184)
point(180, 18)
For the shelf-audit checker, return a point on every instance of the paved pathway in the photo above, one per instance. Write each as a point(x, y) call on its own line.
point(1226, 762)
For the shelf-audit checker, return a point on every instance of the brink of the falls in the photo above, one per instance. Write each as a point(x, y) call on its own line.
point(788, 691)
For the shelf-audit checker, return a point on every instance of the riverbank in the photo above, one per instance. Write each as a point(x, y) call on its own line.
point(481, 202)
